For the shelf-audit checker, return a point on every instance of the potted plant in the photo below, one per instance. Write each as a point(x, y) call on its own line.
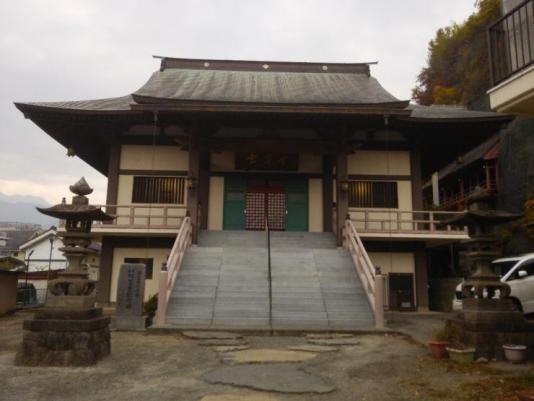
point(515, 353)
point(438, 345)
point(461, 353)
point(458, 348)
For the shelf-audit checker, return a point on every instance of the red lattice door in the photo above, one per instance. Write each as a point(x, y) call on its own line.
point(276, 210)
point(255, 219)
point(262, 201)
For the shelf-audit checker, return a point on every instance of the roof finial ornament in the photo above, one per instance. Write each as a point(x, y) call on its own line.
point(81, 188)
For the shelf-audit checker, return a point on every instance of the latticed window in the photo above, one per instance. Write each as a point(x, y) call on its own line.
point(168, 190)
point(373, 194)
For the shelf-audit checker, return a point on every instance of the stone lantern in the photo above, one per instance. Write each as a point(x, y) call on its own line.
point(488, 318)
point(69, 331)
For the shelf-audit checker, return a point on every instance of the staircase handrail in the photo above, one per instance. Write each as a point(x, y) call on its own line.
point(371, 279)
point(268, 232)
point(169, 271)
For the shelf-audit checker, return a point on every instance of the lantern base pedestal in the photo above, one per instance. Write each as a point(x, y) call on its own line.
point(488, 324)
point(65, 337)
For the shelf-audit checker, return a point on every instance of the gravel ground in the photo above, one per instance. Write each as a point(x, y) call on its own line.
point(169, 367)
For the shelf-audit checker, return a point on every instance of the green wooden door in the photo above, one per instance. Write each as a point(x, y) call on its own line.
point(234, 203)
point(297, 205)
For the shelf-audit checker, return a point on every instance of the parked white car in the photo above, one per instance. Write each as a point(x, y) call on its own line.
point(518, 273)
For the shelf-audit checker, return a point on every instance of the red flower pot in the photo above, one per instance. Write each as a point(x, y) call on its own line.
point(438, 349)
point(525, 395)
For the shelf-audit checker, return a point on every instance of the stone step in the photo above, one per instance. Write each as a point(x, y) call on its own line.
point(224, 282)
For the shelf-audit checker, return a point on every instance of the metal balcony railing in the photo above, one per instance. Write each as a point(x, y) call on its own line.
point(511, 42)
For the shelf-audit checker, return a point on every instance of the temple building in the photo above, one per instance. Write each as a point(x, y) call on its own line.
point(236, 144)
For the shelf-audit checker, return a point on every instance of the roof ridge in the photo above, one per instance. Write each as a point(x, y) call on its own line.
point(263, 65)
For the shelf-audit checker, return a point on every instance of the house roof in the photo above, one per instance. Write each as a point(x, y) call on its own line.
point(40, 237)
point(487, 150)
point(16, 238)
point(195, 84)
point(8, 263)
point(265, 83)
point(447, 112)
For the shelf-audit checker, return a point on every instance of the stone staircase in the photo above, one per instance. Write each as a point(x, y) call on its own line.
point(224, 284)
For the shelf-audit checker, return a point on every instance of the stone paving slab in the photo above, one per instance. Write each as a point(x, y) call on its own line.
point(230, 348)
point(267, 355)
point(222, 342)
point(210, 335)
point(336, 341)
point(279, 377)
point(237, 397)
point(313, 348)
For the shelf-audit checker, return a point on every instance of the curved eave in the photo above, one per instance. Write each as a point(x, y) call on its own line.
point(28, 108)
point(503, 119)
point(146, 103)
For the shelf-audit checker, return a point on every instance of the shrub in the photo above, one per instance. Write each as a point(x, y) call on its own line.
point(150, 306)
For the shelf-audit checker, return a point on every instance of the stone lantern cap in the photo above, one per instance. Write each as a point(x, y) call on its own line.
point(481, 217)
point(76, 212)
point(478, 212)
point(79, 209)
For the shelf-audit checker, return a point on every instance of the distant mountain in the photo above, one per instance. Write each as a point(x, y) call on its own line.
point(21, 208)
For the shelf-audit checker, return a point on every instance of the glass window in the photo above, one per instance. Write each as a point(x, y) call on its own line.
point(502, 268)
point(373, 194)
point(165, 190)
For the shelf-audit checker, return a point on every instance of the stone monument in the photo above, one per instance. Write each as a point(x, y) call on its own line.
point(130, 297)
point(69, 330)
point(488, 318)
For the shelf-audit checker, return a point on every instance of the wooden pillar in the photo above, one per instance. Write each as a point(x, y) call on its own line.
point(417, 183)
point(203, 188)
point(113, 173)
point(103, 290)
point(193, 174)
point(417, 180)
point(328, 195)
point(342, 204)
point(421, 277)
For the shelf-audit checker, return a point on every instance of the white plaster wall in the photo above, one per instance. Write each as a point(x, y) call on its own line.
point(39, 259)
point(151, 286)
point(515, 95)
point(315, 206)
point(216, 203)
point(148, 157)
point(394, 262)
point(378, 162)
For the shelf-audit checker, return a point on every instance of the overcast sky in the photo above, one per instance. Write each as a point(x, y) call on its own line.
point(53, 50)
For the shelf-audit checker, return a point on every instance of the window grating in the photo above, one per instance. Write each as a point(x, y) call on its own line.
point(373, 194)
point(170, 190)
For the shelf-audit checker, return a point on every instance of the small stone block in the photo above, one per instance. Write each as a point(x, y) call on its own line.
point(128, 323)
